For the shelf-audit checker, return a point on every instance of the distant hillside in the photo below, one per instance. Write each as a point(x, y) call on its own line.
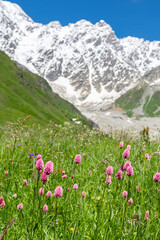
point(144, 99)
point(23, 93)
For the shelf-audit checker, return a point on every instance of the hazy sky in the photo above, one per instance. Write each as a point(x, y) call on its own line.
point(137, 18)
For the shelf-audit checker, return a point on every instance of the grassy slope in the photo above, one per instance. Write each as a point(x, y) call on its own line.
point(23, 93)
point(151, 108)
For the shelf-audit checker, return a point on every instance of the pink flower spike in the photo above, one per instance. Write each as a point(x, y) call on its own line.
point(108, 180)
point(45, 208)
point(64, 176)
point(121, 144)
point(75, 187)
point(126, 165)
point(49, 194)
point(72, 176)
point(90, 172)
point(63, 172)
point(125, 193)
point(68, 189)
point(109, 170)
point(6, 172)
point(146, 215)
point(2, 204)
point(130, 201)
point(44, 178)
point(137, 189)
point(39, 157)
point(129, 147)
point(20, 206)
point(48, 168)
point(7, 146)
point(119, 174)
point(58, 192)
point(41, 191)
point(77, 159)
point(25, 182)
point(129, 171)
point(12, 163)
point(1, 200)
point(39, 164)
point(146, 156)
point(83, 194)
point(156, 177)
point(126, 153)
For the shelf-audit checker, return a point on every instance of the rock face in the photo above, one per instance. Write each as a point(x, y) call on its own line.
point(84, 63)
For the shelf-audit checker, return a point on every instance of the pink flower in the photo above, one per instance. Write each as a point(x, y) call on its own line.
point(137, 189)
point(49, 194)
point(6, 172)
point(2, 204)
point(126, 153)
point(58, 192)
point(126, 165)
point(41, 191)
point(146, 156)
point(25, 182)
point(48, 168)
point(156, 177)
point(68, 189)
point(121, 144)
point(83, 194)
point(109, 170)
point(63, 172)
point(129, 147)
point(90, 172)
point(64, 176)
point(119, 174)
point(129, 171)
point(45, 208)
point(39, 164)
point(77, 159)
point(108, 180)
point(39, 157)
point(44, 178)
point(1, 200)
point(146, 215)
point(75, 187)
point(20, 206)
point(12, 163)
point(124, 194)
point(72, 176)
point(7, 146)
point(130, 201)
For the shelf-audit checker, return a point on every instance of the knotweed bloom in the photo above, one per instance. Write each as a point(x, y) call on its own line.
point(83, 194)
point(7, 146)
point(108, 180)
point(20, 206)
point(48, 168)
point(77, 159)
point(39, 157)
point(129, 171)
point(109, 170)
point(2, 204)
point(75, 187)
point(129, 147)
point(90, 172)
point(126, 153)
point(6, 172)
point(63, 172)
point(119, 174)
point(68, 189)
point(45, 208)
point(41, 191)
point(1, 200)
point(14, 195)
point(130, 201)
point(137, 189)
point(39, 164)
point(25, 182)
point(124, 194)
point(126, 165)
point(72, 176)
point(121, 144)
point(146, 156)
point(58, 192)
point(49, 194)
point(44, 178)
point(146, 215)
point(64, 176)
point(156, 177)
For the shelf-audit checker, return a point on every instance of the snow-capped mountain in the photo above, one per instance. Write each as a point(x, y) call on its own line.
point(84, 63)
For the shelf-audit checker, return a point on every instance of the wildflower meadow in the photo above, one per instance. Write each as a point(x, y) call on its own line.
point(73, 182)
